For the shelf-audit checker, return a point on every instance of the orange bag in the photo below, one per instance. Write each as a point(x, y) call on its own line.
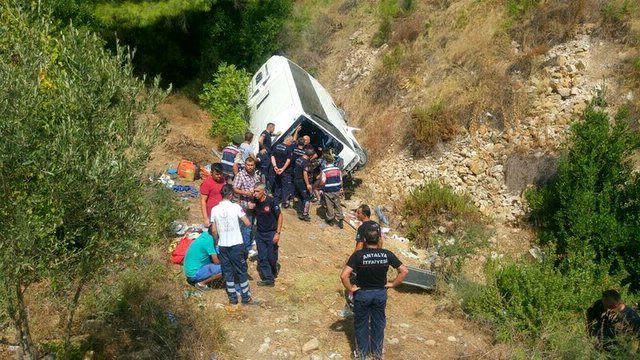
point(187, 170)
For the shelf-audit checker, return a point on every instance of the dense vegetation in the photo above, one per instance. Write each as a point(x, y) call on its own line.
point(184, 41)
point(588, 220)
point(77, 130)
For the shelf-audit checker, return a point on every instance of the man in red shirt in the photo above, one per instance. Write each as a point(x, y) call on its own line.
point(210, 194)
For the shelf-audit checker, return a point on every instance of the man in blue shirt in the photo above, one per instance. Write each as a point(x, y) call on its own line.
point(268, 227)
point(201, 265)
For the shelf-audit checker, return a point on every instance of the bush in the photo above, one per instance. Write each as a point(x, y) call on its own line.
point(433, 125)
point(164, 208)
point(518, 8)
point(535, 304)
point(439, 217)
point(590, 209)
point(588, 225)
point(388, 10)
point(225, 98)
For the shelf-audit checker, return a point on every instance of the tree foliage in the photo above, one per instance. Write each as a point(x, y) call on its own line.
point(184, 40)
point(77, 129)
point(225, 98)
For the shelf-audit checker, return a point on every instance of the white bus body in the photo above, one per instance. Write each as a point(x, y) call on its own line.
point(283, 93)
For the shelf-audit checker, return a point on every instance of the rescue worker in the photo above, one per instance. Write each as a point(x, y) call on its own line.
point(282, 171)
point(225, 228)
point(302, 183)
point(266, 137)
point(331, 184)
point(370, 293)
point(298, 151)
point(268, 227)
point(231, 158)
point(363, 214)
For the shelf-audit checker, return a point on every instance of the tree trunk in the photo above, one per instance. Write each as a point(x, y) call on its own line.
point(21, 323)
point(72, 311)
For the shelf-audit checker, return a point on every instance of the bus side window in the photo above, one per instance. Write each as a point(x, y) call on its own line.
point(258, 77)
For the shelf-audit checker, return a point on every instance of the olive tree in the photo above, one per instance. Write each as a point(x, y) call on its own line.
point(77, 129)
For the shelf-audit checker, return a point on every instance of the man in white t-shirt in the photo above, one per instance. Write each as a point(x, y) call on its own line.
point(225, 227)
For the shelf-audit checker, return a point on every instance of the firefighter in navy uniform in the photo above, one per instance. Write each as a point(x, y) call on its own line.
point(298, 150)
point(302, 182)
point(230, 160)
point(281, 171)
point(268, 228)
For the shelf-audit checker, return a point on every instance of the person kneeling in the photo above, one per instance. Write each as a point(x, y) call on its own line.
point(201, 265)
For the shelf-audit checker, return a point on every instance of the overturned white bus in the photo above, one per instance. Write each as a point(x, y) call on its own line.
point(283, 93)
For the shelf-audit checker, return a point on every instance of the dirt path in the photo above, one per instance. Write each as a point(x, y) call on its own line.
point(307, 297)
point(306, 300)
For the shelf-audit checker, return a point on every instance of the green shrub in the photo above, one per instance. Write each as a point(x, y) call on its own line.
point(525, 301)
point(635, 63)
point(588, 223)
point(183, 41)
point(225, 98)
point(518, 8)
point(164, 207)
point(615, 12)
point(382, 34)
point(439, 217)
point(590, 209)
point(432, 125)
point(392, 60)
point(388, 10)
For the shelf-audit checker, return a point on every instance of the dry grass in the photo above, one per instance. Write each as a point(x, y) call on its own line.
point(407, 30)
point(433, 125)
point(550, 23)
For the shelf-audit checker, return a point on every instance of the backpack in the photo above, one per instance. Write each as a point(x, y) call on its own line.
point(177, 255)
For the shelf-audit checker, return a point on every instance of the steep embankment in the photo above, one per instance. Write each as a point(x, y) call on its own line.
point(507, 83)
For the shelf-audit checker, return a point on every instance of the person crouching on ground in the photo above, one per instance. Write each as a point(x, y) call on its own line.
point(225, 227)
point(268, 227)
point(201, 265)
point(370, 293)
point(331, 183)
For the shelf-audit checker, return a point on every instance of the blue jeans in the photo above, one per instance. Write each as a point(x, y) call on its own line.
point(369, 321)
point(267, 255)
point(247, 232)
point(205, 272)
point(234, 268)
